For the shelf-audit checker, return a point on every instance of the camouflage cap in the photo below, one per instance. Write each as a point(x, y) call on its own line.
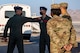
point(63, 4)
point(55, 6)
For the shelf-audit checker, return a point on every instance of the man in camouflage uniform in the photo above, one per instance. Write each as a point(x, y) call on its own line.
point(65, 14)
point(60, 32)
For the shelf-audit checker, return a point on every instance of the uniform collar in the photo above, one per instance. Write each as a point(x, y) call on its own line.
point(17, 15)
point(44, 17)
point(55, 16)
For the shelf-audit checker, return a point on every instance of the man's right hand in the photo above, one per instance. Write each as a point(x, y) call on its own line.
point(5, 39)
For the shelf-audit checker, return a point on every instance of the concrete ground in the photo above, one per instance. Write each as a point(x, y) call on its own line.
point(32, 47)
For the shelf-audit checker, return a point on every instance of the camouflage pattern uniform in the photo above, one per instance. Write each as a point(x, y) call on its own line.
point(61, 32)
point(73, 32)
point(66, 15)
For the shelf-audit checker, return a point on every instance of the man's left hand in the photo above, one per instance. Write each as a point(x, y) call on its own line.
point(68, 47)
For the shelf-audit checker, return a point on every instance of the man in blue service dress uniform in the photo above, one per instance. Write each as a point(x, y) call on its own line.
point(15, 24)
point(44, 37)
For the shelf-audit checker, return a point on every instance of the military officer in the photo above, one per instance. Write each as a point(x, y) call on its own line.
point(65, 14)
point(64, 7)
point(60, 32)
point(15, 24)
point(44, 37)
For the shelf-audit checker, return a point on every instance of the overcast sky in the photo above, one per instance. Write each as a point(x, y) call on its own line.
point(35, 4)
